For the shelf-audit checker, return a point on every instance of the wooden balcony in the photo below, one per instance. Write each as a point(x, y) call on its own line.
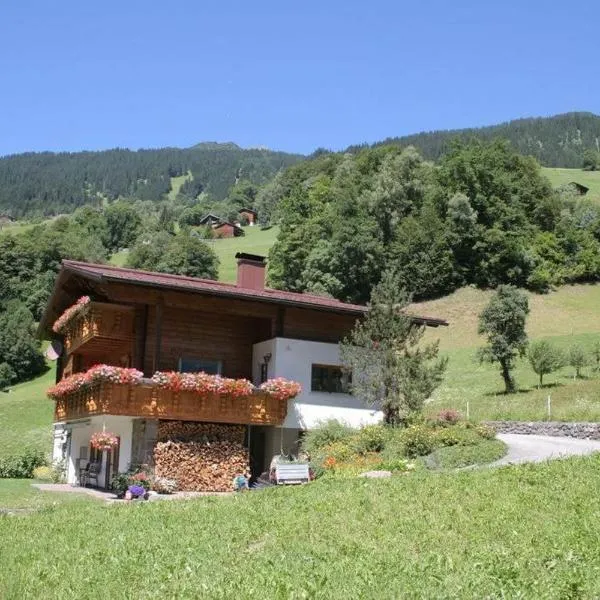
point(101, 328)
point(149, 401)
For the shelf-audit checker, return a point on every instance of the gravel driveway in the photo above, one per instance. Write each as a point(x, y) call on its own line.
point(536, 448)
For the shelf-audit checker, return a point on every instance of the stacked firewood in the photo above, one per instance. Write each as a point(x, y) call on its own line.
point(201, 457)
point(192, 431)
point(201, 466)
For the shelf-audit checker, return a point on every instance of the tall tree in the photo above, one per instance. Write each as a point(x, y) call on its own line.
point(502, 321)
point(391, 366)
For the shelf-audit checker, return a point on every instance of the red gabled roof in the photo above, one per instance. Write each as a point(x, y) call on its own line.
point(218, 288)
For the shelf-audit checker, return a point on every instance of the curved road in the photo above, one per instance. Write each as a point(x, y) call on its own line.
point(536, 448)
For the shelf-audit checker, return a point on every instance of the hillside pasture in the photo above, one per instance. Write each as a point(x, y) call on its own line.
point(590, 179)
point(565, 317)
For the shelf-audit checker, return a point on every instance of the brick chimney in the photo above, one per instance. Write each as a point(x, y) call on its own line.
point(251, 271)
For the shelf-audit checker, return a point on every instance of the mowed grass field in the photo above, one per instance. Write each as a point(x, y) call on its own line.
point(566, 317)
point(516, 532)
point(255, 241)
point(590, 179)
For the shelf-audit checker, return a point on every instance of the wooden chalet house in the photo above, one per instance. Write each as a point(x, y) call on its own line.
point(148, 324)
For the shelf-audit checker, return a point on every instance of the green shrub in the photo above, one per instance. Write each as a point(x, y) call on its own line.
point(341, 451)
point(418, 440)
point(486, 432)
point(43, 473)
point(59, 472)
point(371, 438)
point(22, 465)
point(326, 433)
point(397, 465)
point(457, 436)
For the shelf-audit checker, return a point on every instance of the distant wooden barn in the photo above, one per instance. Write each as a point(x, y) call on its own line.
point(582, 190)
point(248, 215)
point(225, 229)
point(6, 219)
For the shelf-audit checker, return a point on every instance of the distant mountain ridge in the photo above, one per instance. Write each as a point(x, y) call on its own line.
point(556, 141)
point(48, 183)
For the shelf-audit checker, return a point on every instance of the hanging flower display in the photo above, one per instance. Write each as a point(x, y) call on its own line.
point(203, 383)
point(282, 389)
point(70, 313)
point(96, 374)
point(103, 440)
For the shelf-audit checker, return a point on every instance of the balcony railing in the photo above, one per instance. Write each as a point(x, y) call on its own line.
point(151, 401)
point(101, 327)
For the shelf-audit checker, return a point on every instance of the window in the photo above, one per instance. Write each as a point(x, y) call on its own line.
point(330, 378)
point(195, 365)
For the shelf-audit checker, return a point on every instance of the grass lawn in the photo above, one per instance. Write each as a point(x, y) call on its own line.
point(590, 179)
point(20, 494)
point(518, 532)
point(26, 416)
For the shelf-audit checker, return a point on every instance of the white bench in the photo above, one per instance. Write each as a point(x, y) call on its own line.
point(292, 473)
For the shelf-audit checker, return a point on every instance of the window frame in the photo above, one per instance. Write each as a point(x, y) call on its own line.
point(205, 361)
point(333, 371)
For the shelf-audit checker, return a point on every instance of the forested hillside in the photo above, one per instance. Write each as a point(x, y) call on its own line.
point(47, 183)
point(484, 215)
point(558, 141)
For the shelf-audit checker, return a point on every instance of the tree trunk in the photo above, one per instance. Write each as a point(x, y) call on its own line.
point(509, 382)
point(541, 380)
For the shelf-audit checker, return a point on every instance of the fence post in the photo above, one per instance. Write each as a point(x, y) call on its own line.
point(468, 414)
point(549, 407)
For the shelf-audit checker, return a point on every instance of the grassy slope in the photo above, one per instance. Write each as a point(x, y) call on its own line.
point(590, 179)
point(26, 416)
point(565, 317)
point(256, 241)
point(517, 532)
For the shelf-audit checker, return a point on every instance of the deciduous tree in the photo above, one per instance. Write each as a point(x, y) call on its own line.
point(502, 321)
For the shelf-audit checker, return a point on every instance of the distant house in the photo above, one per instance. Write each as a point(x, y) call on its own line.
point(6, 219)
point(210, 219)
point(249, 215)
point(582, 190)
point(221, 227)
point(225, 229)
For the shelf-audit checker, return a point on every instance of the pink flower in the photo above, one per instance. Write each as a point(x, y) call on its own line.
point(70, 313)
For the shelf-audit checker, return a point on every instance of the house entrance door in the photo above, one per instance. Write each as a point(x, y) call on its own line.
point(256, 449)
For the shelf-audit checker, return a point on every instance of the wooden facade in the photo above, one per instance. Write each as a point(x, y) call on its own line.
point(150, 401)
point(172, 325)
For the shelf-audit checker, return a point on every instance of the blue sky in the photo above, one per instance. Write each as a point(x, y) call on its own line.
point(287, 75)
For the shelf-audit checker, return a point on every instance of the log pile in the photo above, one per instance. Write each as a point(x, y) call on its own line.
point(201, 466)
point(192, 431)
point(201, 457)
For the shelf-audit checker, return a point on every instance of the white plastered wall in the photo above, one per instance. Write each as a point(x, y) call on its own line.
point(81, 432)
point(293, 359)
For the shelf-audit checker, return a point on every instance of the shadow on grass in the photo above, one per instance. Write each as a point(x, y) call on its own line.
point(521, 391)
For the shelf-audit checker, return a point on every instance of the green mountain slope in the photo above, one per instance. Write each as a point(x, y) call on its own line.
point(557, 141)
point(47, 183)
